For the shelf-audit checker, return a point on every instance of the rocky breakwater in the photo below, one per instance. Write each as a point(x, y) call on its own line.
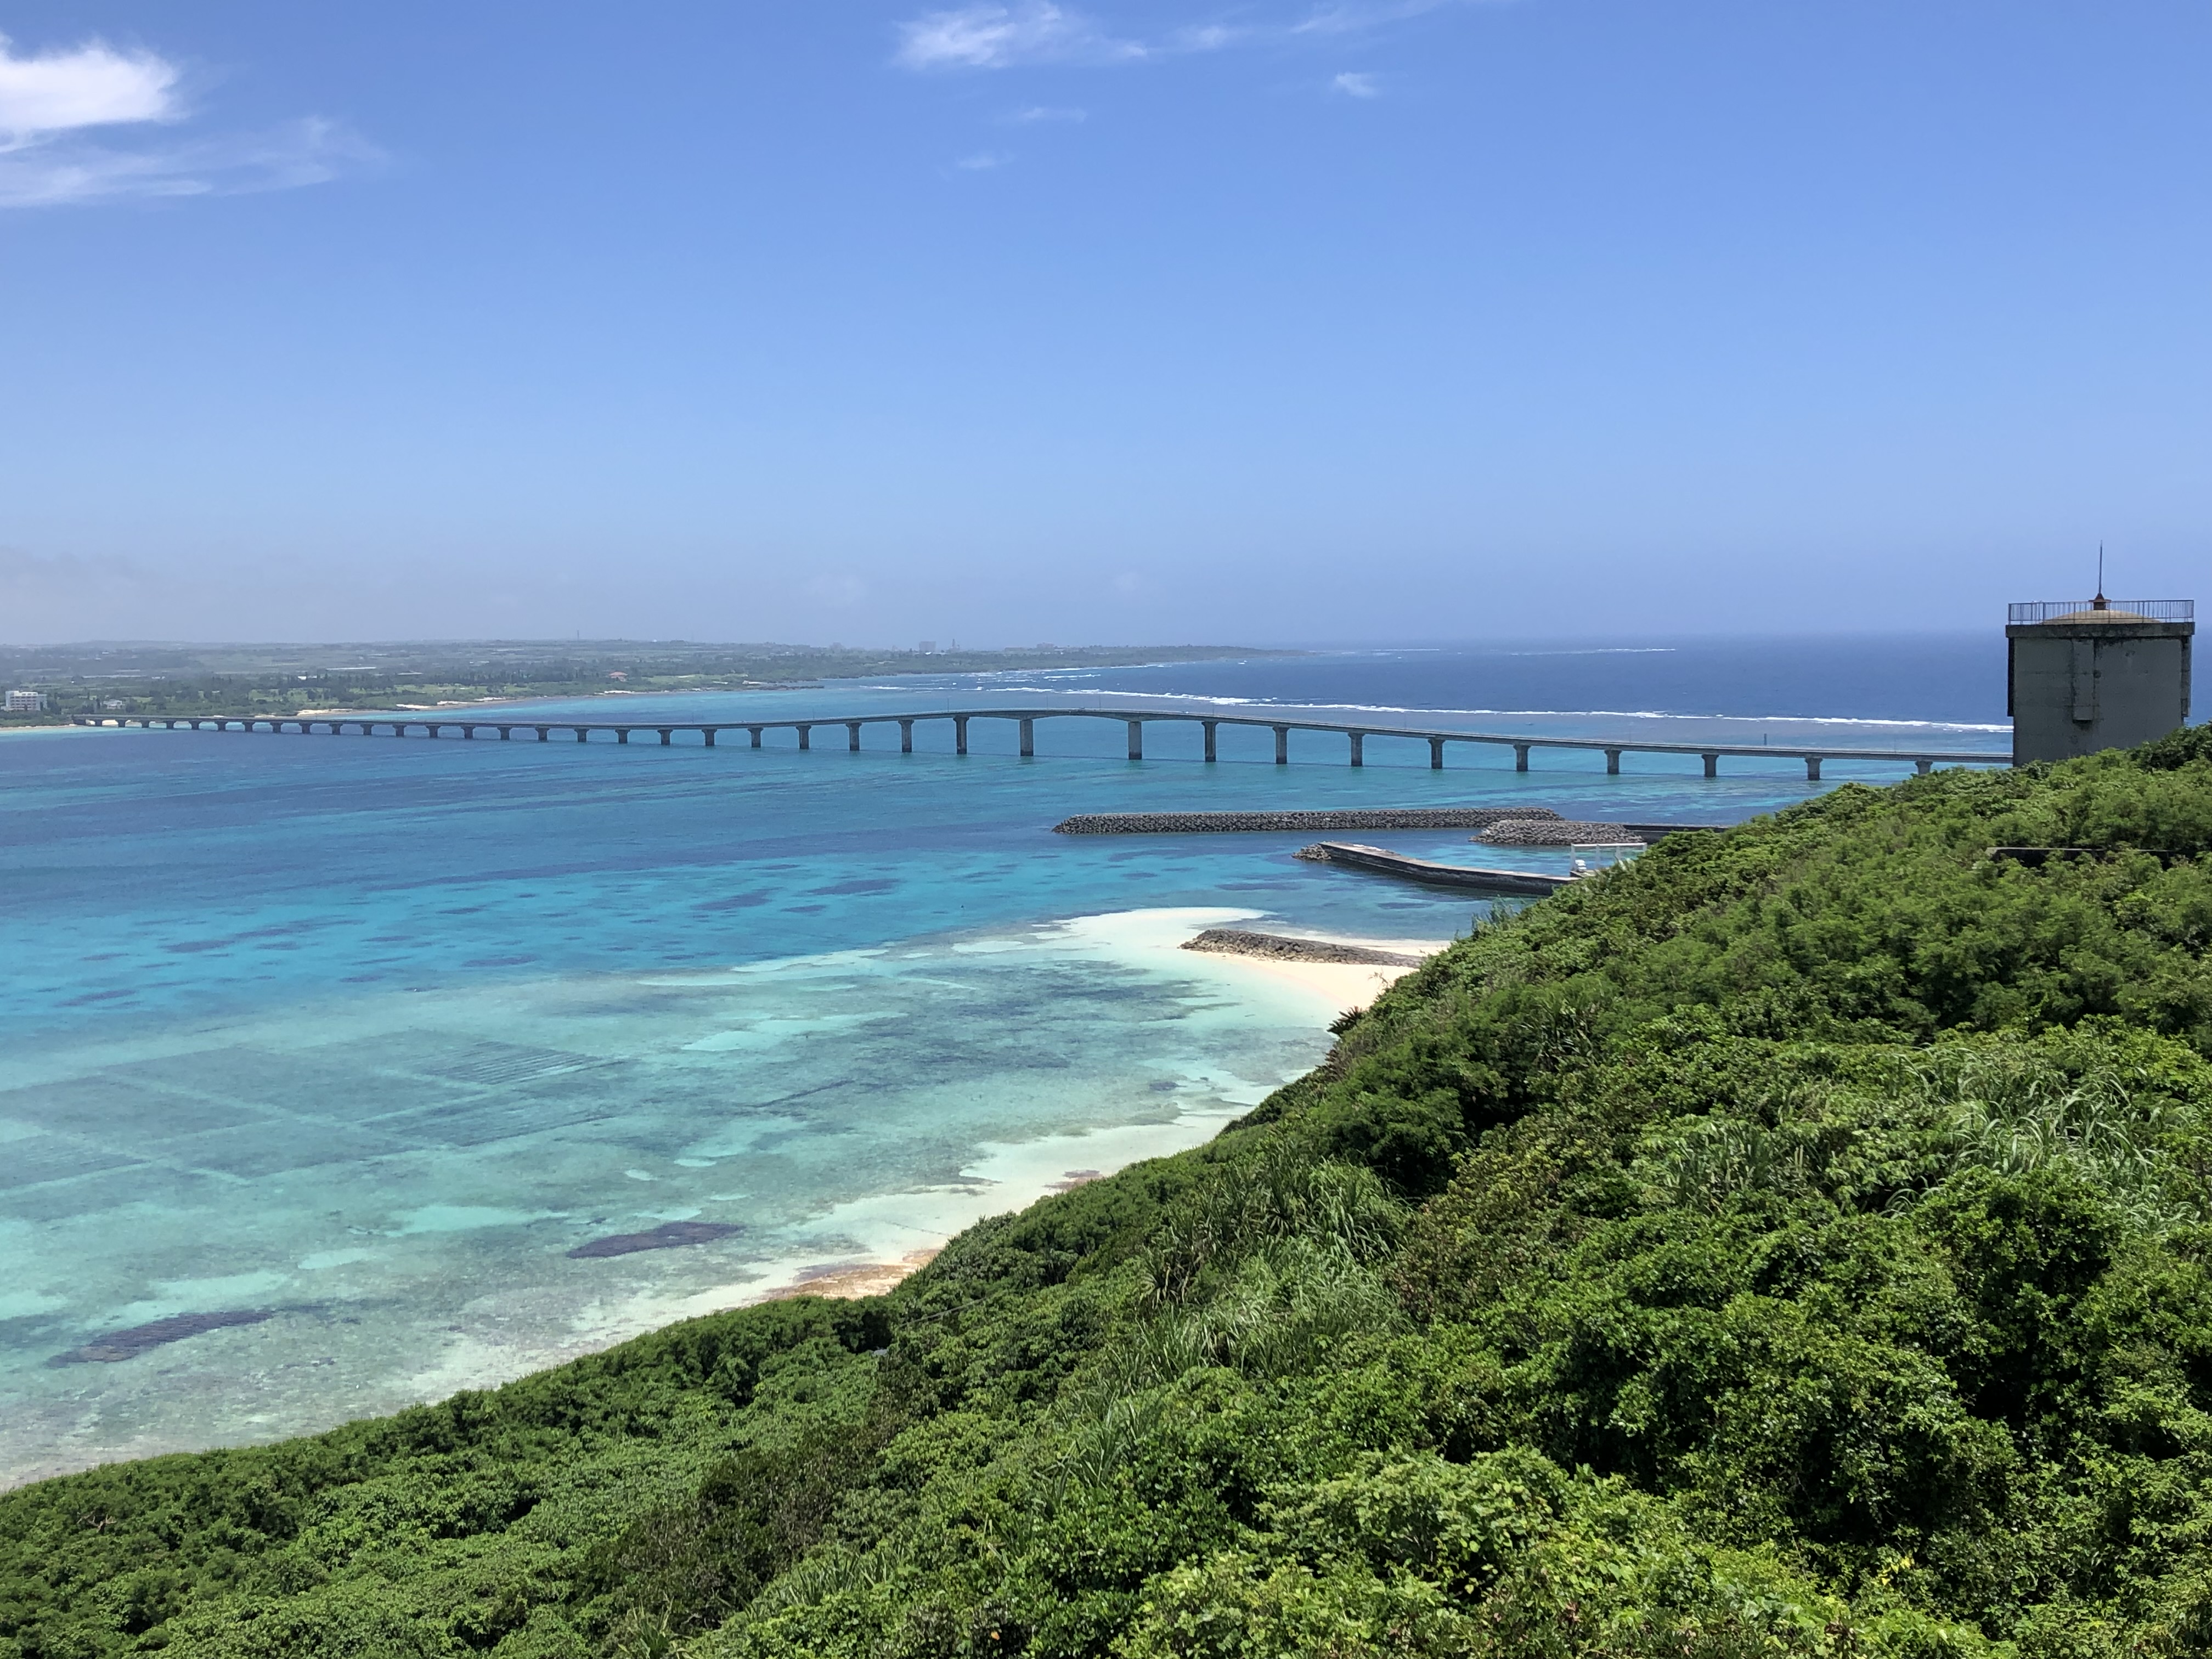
point(1282, 947)
point(1556, 831)
point(1377, 817)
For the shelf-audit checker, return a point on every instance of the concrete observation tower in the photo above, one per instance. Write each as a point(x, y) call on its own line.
point(2083, 675)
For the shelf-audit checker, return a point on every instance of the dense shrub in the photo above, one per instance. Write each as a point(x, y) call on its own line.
point(1794, 1243)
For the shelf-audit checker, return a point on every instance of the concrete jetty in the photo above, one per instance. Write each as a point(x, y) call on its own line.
point(508, 728)
point(1431, 874)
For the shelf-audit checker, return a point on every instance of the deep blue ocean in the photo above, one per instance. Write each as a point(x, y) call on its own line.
point(361, 1037)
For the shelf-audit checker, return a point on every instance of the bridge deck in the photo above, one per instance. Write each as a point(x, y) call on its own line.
point(1135, 718)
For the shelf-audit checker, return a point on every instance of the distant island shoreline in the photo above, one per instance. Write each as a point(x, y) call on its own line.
point(168, 680)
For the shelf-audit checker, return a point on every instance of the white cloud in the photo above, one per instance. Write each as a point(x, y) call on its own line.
point(982, 161)
point(49, 101)
point(1360, 85)
point(1036, 112)
point(94, 85)
point(1001, 37)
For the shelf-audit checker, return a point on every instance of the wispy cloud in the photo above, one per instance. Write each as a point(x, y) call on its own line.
point(1034, 31)
point(1002, 37)
point(50, 101)
point(1037, 113)
point(1206, 37)
point(1357, 85)
point(299, 153)
point(983, 161)
point(1356, 16)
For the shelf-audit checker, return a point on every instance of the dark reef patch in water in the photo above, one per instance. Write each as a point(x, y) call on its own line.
point(128, 1344)
point(668, 1236)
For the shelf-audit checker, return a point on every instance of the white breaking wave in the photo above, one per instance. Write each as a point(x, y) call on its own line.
point(1526, 714)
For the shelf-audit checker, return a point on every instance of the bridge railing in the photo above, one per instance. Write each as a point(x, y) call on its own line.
point(1136, 719)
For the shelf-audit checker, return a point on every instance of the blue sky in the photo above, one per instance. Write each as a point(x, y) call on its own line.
point(1121, 321)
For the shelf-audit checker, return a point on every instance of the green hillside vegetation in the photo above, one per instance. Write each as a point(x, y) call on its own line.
point(1794, 1243)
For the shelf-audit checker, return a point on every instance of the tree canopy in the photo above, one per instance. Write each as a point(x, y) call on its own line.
point(1796, 1242)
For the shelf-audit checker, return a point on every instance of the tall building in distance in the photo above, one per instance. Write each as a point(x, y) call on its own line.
point(2084, 675)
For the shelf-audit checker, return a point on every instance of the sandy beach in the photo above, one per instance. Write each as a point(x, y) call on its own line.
point(1012, 1177)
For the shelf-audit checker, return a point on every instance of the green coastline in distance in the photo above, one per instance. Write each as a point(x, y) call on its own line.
point(1792, 1243)
point(133, 682)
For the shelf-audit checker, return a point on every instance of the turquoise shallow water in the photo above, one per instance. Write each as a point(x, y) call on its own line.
point(366, 1035)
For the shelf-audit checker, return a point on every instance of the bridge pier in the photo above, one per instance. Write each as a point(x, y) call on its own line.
point(404, 726)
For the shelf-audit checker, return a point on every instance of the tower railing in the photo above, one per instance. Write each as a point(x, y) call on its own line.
point(2043, 610)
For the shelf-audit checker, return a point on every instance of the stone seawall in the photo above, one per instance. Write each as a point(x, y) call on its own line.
point(1381, 818)
point(1553, 832)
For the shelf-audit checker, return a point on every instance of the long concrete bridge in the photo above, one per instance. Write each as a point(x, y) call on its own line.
point(469, 725)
